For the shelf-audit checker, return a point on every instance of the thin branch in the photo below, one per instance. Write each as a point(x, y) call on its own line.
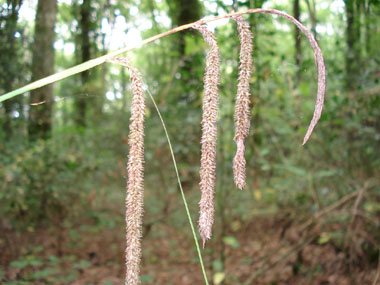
point(280, 258)
point(357, 203)
point(329, 209)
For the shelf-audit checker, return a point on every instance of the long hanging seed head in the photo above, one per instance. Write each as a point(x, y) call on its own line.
point(242, 112)
point(135, 187)
point(209, 134)
point(135, 184)
point(318, 61)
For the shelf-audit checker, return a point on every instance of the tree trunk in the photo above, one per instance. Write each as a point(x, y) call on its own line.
point(9, 67)
point(85, 48)
point(187, 11)
point(353, 44)
point(371, 10)
point(257, 71)
point(41, 100)
point(313, 17)
point(183, 12)
point(297, 39)
point(367, 13)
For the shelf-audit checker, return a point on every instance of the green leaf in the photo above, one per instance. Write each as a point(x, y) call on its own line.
point(295, 170)
point(146, 278)
point(20, 263)
point(53, 259)
point(324, 238)
point(82, 264)
point(231, 241)
point(324, 173)
point(45, 272)
point(36, 262)
point(218, 277)
point(217, 265)
point(38, 248)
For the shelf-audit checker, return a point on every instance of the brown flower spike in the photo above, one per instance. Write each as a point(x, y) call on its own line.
point(242, 112)
point(209, 134)
point(135, 184)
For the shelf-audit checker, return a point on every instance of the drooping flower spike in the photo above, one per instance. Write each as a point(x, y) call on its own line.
point(209, 134)
point(135, 170)
point(242, 112)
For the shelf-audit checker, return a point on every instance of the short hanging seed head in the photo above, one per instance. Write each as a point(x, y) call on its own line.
point(209, 134)
point(242, 112)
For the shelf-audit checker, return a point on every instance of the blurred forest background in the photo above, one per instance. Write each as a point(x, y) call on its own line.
point(309, 215)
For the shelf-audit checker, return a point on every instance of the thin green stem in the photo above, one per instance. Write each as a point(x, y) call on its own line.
point(180, 187)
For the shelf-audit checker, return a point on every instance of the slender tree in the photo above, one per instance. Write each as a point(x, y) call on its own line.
point(313, 17)
point(353, 8)
point(297, 38)
point(84, 48)
point(9, 66)
point(183, 12)
point(89, 42)
point(257, 69)
point(40, 114)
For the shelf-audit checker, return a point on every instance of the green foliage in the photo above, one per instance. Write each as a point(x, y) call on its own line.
point(231, 241)
point(146, 278)
point(42, 181)
point(37, 269)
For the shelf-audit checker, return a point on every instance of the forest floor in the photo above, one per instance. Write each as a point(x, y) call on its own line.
point(268, 250)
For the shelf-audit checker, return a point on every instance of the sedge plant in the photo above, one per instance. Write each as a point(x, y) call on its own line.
point(135, 166)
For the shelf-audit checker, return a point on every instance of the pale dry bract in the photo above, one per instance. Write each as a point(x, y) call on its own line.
point(135, 171)
point(209, 134)
point(242, 112)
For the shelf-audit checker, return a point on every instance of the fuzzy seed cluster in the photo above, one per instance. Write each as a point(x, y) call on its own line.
point(209, 134)
point(242, 112)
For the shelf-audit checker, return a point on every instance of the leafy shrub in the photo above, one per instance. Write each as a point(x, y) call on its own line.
point(43, 180)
